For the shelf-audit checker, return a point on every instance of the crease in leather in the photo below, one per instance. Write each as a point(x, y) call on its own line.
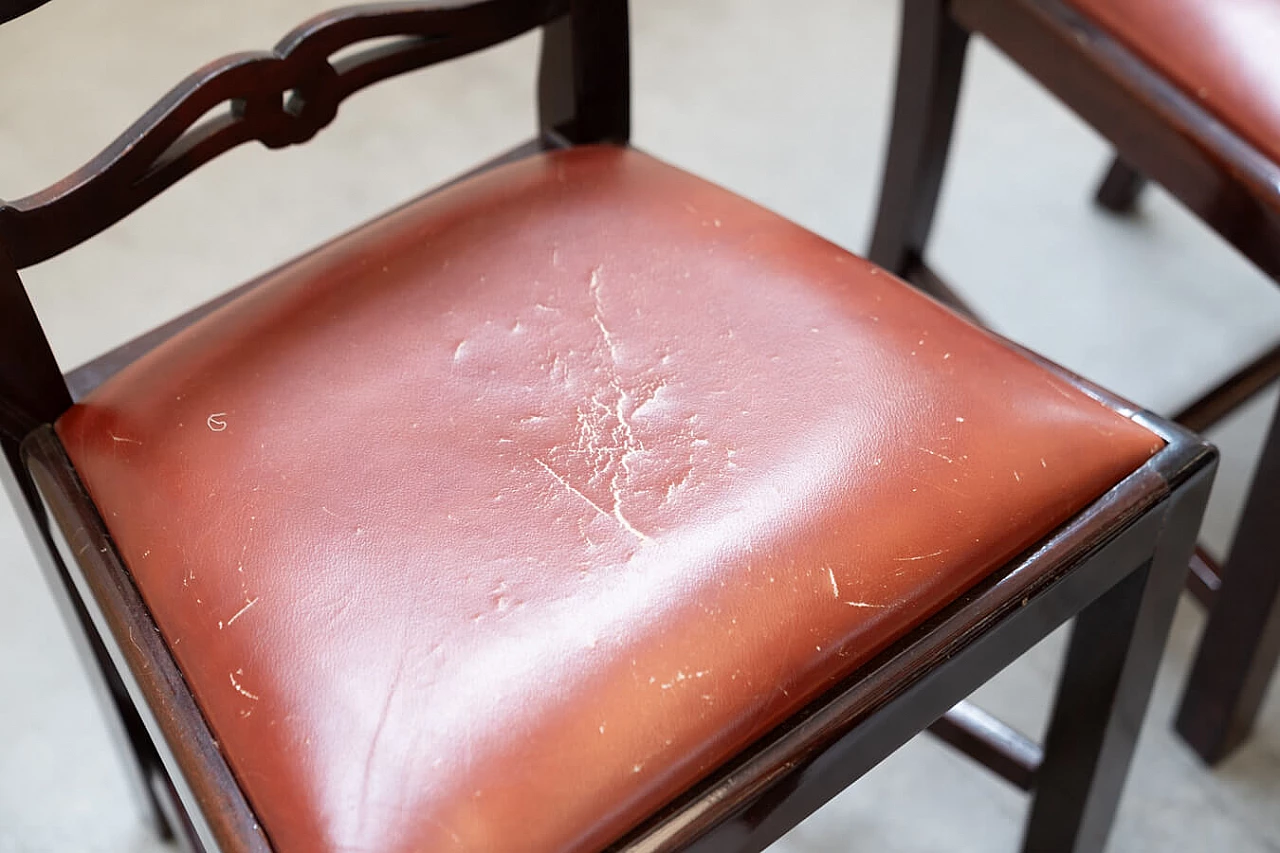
point(499, 522)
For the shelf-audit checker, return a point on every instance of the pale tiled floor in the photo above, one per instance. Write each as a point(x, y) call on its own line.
point(789, 111)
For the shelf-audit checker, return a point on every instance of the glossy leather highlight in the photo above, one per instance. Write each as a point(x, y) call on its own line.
point(1225, 54)
point(500, 521)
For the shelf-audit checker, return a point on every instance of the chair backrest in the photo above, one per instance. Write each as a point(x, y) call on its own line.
point(284, 97)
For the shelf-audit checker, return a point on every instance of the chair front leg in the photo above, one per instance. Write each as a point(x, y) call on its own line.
point(930, 66)
point(1240, 647)
point(147, 775)
point(1105, 687)
point(138, 754)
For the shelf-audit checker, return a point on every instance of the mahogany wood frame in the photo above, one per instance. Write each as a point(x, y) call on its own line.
point(1161, 134)
point(1118, 564)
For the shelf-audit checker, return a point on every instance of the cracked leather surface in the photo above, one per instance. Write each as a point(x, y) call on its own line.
point(500, 521)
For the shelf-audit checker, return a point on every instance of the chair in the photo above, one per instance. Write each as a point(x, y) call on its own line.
point(577, 505)
point(1183, 91)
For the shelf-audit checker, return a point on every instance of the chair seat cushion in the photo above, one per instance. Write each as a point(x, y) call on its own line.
point(499, 522)
point(1225, 54)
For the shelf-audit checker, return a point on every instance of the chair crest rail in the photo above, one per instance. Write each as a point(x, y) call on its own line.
point(280, 97)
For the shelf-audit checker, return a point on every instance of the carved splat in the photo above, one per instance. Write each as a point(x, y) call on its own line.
point(279, 98)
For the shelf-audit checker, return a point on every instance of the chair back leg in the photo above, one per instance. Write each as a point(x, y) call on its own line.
point(584, 75)
point(1120, 188)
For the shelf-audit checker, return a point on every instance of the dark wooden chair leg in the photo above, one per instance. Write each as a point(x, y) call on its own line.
point(146, 775)
point(1120, 188)
point(930, 66)
point(1115, 649)
point(584, 75)
point(137, 753)
point(1241, 643)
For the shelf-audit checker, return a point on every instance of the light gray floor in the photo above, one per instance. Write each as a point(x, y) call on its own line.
point(788, 109)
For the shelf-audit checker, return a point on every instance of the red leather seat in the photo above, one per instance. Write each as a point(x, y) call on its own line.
point(500, 521)
point(1225, 54)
